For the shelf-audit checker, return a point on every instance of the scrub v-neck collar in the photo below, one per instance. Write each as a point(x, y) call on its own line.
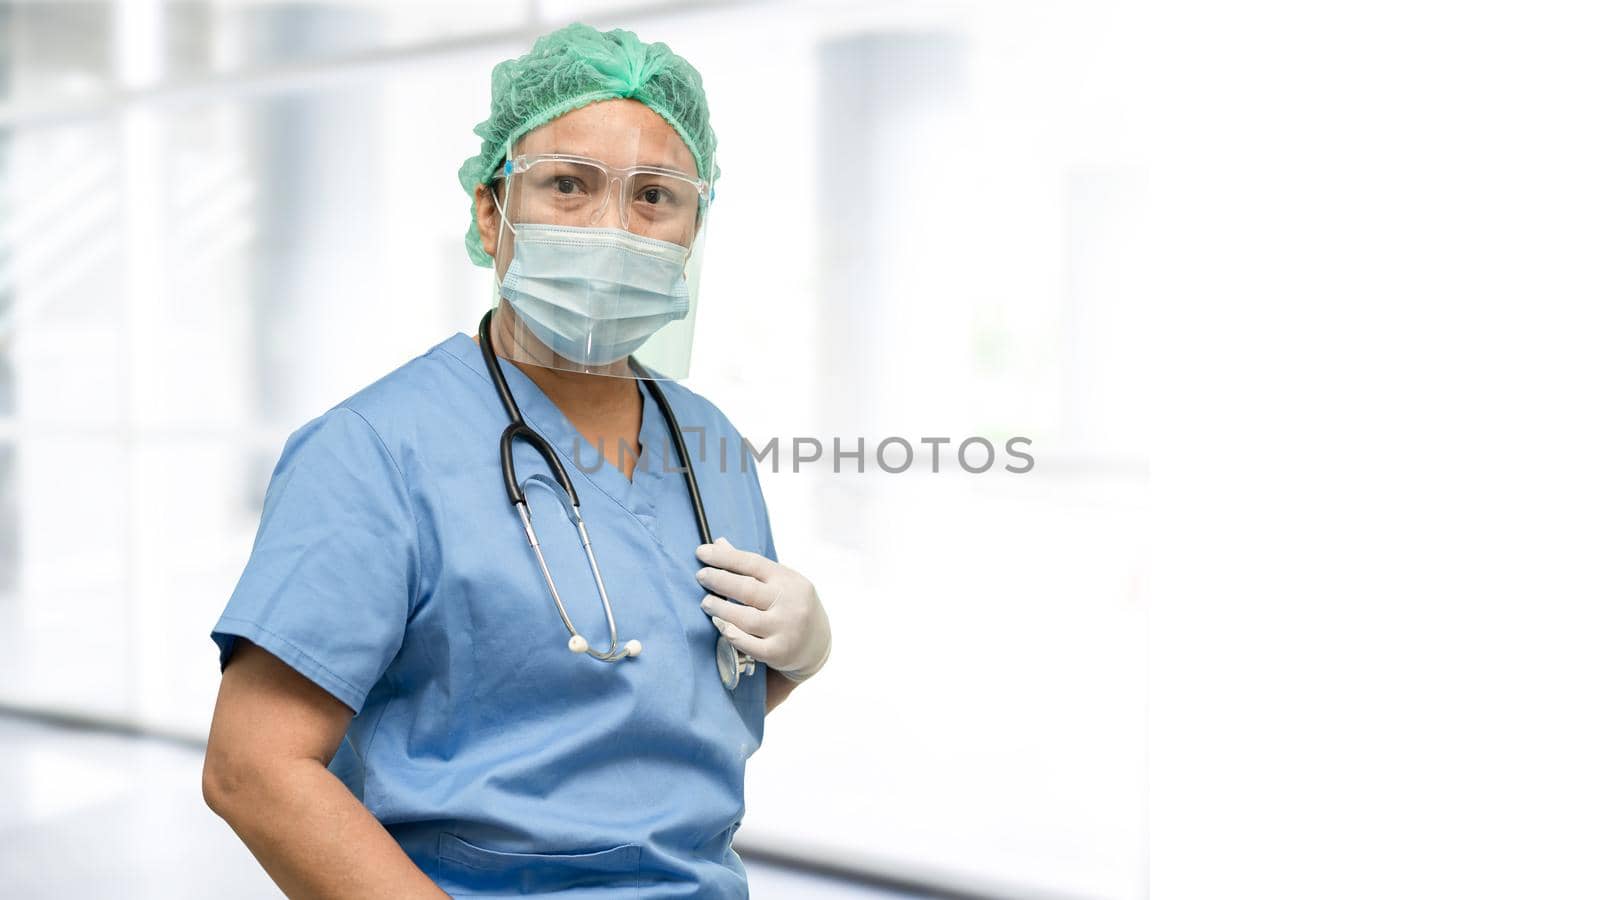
point(540, 412)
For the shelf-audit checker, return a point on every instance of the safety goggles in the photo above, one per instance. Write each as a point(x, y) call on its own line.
point(560, 189)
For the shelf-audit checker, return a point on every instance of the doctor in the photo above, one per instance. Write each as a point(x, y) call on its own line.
point(404, 708)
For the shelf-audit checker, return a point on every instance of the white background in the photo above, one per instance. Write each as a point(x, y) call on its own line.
point(1374, 633)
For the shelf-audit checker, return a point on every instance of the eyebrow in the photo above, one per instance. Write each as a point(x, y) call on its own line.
point(656, 164)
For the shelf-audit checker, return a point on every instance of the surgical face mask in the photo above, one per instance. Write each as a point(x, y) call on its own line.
point(594, 295)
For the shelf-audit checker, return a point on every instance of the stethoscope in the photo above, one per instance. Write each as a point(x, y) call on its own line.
point(731, 663)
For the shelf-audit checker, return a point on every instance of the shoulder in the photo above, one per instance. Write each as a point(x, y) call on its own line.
point(730, 455)
point(696, 413)
point(722, 441)
point(427, 381)
point(401, 404)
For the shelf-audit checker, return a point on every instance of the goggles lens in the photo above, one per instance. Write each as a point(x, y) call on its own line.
point(573, 191)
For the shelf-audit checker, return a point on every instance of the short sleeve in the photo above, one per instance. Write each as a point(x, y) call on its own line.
point(330, 582)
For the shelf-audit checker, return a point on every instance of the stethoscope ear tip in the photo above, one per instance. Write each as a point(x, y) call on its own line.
point(578, 644)
point(634, 648)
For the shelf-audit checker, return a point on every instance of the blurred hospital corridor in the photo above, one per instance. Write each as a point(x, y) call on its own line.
point(219, 219)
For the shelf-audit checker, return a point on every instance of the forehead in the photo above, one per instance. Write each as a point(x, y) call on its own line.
point(617, 132)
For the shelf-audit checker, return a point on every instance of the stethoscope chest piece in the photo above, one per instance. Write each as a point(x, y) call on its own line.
point(731, 664)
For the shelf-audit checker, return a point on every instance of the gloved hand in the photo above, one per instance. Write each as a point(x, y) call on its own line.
point(778, 620)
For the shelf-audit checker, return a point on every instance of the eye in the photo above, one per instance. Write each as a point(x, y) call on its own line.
point(655, 195)
point(566, 184)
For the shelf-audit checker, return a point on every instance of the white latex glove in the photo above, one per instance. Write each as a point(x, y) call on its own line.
point(778, 620)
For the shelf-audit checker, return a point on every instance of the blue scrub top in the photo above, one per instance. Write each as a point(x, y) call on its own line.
point(391, 570)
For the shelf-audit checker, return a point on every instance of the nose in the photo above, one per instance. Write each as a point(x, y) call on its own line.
point(612, 214)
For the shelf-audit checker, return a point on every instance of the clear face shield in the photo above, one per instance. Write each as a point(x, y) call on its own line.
point(597, 261)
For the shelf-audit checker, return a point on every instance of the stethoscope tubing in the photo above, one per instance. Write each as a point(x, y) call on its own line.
point(519, 428)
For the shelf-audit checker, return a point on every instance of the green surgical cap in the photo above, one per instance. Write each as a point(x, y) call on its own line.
point(574, 67)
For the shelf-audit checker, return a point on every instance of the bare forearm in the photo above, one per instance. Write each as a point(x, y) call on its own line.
point(316, 840)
